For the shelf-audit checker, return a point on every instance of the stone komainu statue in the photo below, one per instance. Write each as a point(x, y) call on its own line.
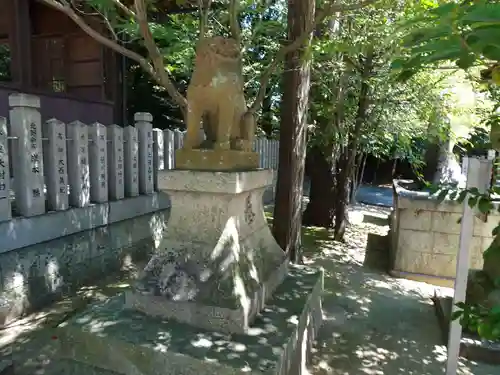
point(215, 95)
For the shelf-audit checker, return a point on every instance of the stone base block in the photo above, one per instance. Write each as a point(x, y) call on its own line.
point(233, 317)
point(216, 160)
point(127, 342)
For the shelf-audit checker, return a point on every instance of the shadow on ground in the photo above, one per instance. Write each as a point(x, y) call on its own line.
point(374, 324)
point(29, 341)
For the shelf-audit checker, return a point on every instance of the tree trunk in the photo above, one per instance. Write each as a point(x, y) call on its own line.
point(348, 157)
point(266, 120)
point(293, 127)
point(320, 209)
point(342, 185)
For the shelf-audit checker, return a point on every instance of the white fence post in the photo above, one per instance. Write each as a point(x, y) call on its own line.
point(169, 149)
point(131, 166)
point(26, 127)
point(476, 177)
point(260, 150)
point(98, 158)
point(158, 155)
point(5, 209)
point(78, 164)
point(56, 168)
point(115, 162)
point(275, 152)
point(265, 153)
point(178, 139)
point(145, 130)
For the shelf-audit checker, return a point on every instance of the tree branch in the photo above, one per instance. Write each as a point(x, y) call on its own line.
point(66, 8)
point(297, 43)
point(156, 56)
point(234, 25)
point(125, 9)
point(203, 17)
point(159, 76)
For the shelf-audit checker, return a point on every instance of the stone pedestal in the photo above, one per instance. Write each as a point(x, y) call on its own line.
point(216, 160)
point(218, 262)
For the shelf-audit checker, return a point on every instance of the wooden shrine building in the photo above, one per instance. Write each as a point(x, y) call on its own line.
point(42, 52)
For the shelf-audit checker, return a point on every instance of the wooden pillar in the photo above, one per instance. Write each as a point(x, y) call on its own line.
point(21, 42)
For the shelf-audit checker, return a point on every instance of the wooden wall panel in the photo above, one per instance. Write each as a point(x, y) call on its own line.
point(5, 22)
point(81, 47)
point(88, 73)
point(45, 20)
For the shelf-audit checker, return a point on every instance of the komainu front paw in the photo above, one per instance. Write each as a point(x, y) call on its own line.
point(242, 145)
point(222, 145)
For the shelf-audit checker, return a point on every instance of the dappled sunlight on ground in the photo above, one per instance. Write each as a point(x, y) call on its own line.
point(374, 324)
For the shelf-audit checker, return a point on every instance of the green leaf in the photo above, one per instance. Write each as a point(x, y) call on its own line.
point(492, 52)
point(472, 202)
point(495, 231)
point(444, 10)
point(462, 196)
point(482, 13)
point(456, 314)
point(466, 61)
point(485, 329)
point(474, 191)
point(442, 195)
point(461, 305)
point(484, 205)
point(495, 310)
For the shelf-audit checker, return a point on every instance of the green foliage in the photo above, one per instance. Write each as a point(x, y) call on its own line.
point(466, 33)
point(477, 143)
point(399, 114)
point(479, 319)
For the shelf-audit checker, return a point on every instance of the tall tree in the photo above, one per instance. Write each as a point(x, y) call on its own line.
point(293, 130)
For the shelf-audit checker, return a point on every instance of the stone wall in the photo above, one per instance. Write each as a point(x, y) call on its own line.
point(45, 257)
point(425, 237)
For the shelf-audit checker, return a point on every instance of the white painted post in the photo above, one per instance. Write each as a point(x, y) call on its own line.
point(169, 149)
point(144, 126)
point(131, 166)
point(275, 147)
point(78, 164)
point(260, 150)
point(26, 127)
point(269, 153)
point(158, 155)
point(115, 162)
point(178, 139)
point(5, 209)
point(474, 179)
point(265, 153)
point(56, 167)
point(98, 158)
point(277, 154)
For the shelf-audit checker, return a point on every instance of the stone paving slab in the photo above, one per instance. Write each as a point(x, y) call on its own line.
point(129, 343)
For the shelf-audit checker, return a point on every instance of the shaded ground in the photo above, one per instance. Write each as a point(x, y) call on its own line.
point(374, 324)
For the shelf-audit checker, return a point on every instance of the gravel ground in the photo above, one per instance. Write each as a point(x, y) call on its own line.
point(375, 324)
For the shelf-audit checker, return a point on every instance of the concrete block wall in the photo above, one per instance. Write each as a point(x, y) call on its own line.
point(425, 237)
